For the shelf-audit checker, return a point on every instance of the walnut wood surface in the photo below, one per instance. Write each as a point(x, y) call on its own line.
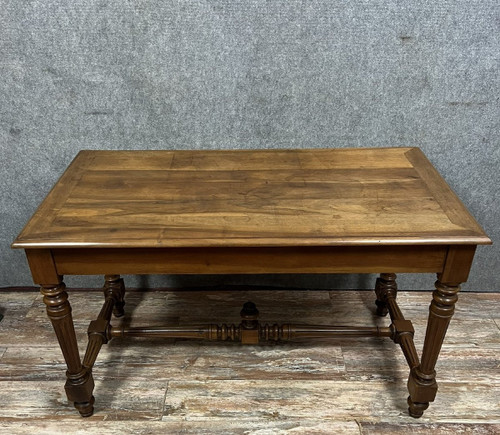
point(268, 211)
point(247, 198)
point(300, 259)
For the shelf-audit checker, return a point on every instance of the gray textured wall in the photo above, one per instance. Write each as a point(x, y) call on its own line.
point(249, 74)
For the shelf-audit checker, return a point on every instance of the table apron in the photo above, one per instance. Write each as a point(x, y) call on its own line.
point(323, 259)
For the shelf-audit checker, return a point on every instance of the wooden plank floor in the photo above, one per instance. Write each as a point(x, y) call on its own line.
point(353, 386)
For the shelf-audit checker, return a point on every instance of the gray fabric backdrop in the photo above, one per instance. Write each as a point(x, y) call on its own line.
point(163, 74)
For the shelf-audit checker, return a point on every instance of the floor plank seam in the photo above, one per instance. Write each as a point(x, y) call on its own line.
point(359, 426)
point(163, 408)
point(497, 322)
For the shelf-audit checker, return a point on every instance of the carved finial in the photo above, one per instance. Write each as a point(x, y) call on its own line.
point(249, 315)
point(249, 324)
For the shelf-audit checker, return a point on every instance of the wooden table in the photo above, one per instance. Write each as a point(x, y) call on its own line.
point(246, 212)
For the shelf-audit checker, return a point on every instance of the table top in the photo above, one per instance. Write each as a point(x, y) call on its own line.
point(313, 197)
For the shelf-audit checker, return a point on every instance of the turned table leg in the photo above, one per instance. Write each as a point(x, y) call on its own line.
point(385, 285)
point(79, 384)
point(422, 382)
point(113, 285)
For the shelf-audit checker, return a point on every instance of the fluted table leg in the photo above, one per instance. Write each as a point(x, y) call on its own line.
point(115, 286)
point(386, 284)
point(422, 382)
point(79, 384)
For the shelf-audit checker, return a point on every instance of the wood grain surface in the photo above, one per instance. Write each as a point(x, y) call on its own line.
point(244, 198)
point(354, 386)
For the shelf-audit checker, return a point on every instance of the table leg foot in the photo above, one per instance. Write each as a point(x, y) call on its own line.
point(86, 409)
point(114, 284)
point(423, 389)
point(79, 388)
point(415, 409)
point(385, 284)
